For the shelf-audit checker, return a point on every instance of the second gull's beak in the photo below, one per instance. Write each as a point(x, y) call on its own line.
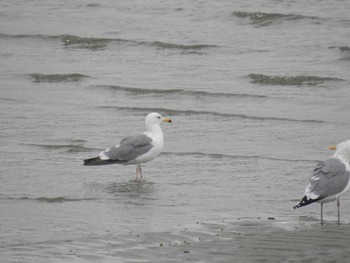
point(166, 120)
point(332, 147)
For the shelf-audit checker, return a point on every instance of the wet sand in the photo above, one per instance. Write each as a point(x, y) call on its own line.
point(243, 240)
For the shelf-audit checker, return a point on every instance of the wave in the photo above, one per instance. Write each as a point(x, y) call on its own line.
point(69, 148)
point(93, 5)
point(93, 43)
point(85, 42)
point(345, 51)
point(97, 43)
point(177, 46)
point(59, 199)
point(70, 40)
point(229, 156)
point(289, 80)
point(171, 112)
point(73, 77)
point(8, 99)
point(177, 91)
point(265, 19)
point(341, 48)
point(29, 36)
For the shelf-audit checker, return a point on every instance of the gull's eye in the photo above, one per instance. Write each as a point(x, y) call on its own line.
point(158, 117)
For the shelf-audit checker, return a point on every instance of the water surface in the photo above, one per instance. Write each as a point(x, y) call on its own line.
point(257, 91)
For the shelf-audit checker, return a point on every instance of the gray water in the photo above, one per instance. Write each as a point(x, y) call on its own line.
point(257, 91)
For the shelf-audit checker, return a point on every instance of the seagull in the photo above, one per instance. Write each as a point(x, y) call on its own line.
point(330, 179)
point(135, 149)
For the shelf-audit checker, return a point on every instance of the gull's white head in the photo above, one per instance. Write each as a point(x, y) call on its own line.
point(153, 119)
point(342, 150)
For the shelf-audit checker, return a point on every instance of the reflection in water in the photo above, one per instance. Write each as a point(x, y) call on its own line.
point(130, 191)
point(132, 187)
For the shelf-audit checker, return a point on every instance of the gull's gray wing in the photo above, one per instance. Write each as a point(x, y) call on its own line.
point(128, 149)
point(330, 177)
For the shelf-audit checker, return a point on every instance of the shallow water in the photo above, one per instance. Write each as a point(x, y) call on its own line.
point(256, 92)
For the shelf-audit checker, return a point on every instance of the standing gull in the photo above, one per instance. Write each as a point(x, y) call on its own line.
point(330, 179)
point(135, 149)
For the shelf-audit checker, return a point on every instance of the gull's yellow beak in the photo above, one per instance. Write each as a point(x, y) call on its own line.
point(166, 120)
point(332, 147)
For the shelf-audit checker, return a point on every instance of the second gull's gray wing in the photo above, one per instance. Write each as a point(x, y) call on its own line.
point(330, 177)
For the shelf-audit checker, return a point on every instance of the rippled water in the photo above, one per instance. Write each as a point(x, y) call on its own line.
point(256, 90)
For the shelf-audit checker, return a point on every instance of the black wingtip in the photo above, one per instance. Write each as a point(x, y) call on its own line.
point(297, 206)
point(306, 201)
point(92, 161)
point(97, 161)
